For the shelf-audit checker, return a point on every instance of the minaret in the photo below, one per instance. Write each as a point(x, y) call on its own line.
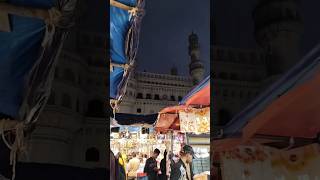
point(195, 66)
point(278, 29)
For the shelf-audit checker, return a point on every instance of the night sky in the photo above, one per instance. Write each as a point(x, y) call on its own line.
point(164, 35)
point(235, 25)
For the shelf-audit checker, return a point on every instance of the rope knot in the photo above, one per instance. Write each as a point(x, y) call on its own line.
point(54, 16)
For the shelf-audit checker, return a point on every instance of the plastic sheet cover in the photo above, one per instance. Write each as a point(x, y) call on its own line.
point(26, 62)
point(199, 95)
point(124, 31)
point(19, 50)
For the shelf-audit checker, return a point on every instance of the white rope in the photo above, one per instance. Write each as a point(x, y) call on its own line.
point(114, 106)
point(2, 129)
point(124, 66)
point(51, 23)
point(18, 145)
point(54, 16)
point(133, 11)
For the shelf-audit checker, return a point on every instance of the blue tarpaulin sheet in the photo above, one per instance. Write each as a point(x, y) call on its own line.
point(27, 61)
point(123, 45)
point(19, 50)
point(299, 74)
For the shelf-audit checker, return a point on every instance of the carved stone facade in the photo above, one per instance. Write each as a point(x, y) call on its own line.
point(241, 74)
point(71, 130)
point(148, 93)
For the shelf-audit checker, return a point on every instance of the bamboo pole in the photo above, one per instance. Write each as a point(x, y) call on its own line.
point(120, 5)
point(24, 11)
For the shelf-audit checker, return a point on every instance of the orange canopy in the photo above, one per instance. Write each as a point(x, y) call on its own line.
point(200, 98)
point(168, 118)
point(295, 114)
point(199, 95)
point(165, 122)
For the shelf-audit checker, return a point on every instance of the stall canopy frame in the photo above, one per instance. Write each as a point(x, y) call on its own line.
point(125, 20)
point(298, 86)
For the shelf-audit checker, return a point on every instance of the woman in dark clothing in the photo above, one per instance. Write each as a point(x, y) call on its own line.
point(163, 168)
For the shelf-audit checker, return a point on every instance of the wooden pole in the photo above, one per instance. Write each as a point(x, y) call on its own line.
point(120, 5)
point(24, 11)
point(48, 15)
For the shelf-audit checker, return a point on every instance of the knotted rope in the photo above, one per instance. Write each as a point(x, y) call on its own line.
point(18, 146)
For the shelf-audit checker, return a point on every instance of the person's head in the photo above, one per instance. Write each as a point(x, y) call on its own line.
point(145, 156)
point(156, 153)
point(134, 155)
point(187, 153)
point(171, 155)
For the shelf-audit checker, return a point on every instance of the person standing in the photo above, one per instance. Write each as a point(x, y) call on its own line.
point(163, 168)
point(133, 167)
point(151, 166)
point(121, 167)
point(145, 157)
point(182, 170)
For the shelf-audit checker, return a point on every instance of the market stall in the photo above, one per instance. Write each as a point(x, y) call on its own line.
point(134, 134)
point(192, 124)
point(192, 120)
point(132, 139)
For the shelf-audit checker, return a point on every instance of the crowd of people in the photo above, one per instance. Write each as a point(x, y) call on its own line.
point(129, 168)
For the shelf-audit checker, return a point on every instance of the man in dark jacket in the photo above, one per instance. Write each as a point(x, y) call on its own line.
point(151, 166)
point(163, 167)
point(182, 170)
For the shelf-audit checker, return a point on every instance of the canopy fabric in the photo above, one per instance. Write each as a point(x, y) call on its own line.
point(269, 163)
point(167, 121)
point(134, 119)
point(171, 118)
point(168, 118)
point(200, 95)
point(28, 56)
point(295, 113)
point(124, 36)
